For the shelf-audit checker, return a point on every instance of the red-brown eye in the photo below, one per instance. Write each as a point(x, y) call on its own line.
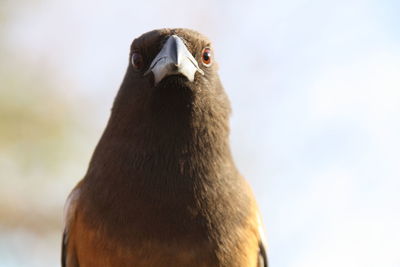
point(137, 61)
point(206, 57)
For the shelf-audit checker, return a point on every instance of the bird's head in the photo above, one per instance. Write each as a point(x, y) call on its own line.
point(164, 55)
point(171, 66)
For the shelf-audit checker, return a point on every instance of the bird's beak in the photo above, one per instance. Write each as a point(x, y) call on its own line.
point(173, 59)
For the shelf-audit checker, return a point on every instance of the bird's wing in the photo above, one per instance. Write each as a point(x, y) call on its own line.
point(68, 256)
point(262, 253)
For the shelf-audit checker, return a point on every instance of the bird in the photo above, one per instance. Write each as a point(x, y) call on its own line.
point(162, 188)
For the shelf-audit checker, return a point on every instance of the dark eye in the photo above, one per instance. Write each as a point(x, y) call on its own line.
point(206, 57)
point(137, 61)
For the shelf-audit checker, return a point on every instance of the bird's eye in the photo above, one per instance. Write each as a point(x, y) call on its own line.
point(206, 57)
point(137, 61)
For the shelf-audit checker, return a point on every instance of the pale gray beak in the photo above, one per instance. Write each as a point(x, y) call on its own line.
point(174, 58)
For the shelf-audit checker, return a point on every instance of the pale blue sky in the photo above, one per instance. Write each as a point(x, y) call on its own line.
point(315, 90)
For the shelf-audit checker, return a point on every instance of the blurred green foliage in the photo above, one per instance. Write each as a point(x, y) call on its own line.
point(34, 120)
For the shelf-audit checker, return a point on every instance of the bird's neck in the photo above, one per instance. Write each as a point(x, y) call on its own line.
point(162, 160)
point(178, 142)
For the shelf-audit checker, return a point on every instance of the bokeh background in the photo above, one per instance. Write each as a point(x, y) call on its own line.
point(315, 89)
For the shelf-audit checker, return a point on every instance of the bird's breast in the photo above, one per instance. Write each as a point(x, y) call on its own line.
point(203, 225)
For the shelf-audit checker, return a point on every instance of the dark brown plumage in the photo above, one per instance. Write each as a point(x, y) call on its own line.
point(162, 188)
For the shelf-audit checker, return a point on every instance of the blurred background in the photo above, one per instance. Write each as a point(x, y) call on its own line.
point(315, 90)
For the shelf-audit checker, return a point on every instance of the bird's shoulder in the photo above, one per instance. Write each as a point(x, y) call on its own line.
point(68, 257)
point(71, 205)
